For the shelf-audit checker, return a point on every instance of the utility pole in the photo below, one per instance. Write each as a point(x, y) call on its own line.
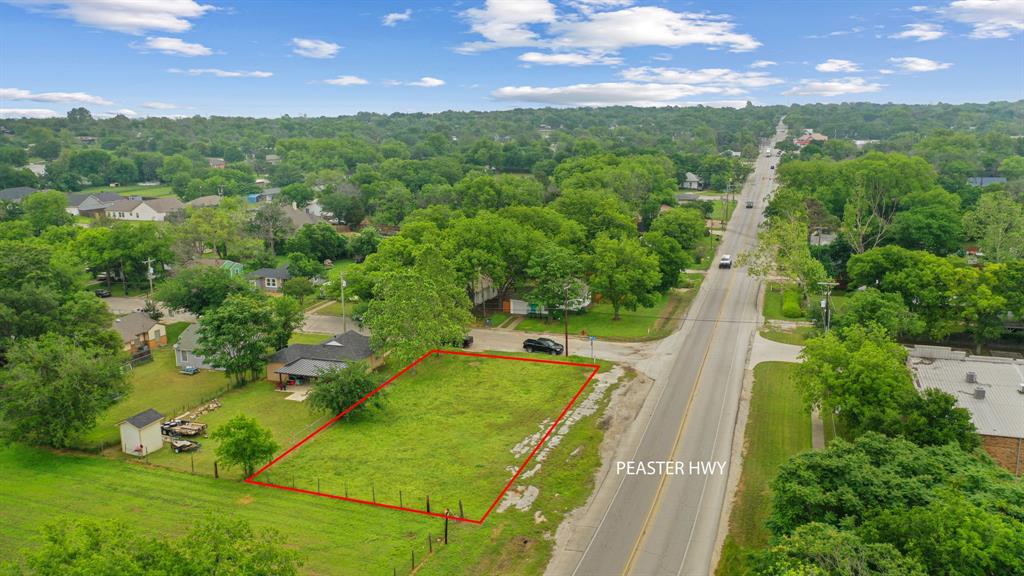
point(826, 304)
point(344, 319)
point(565, 315)
point(149, 274)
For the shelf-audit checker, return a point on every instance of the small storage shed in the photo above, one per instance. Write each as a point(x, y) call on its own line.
point(140, 434)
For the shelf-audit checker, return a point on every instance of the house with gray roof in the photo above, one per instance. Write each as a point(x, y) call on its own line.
point(16, 194)
point(138, 331)
point(990, 388)
point(92, 205)
point(145, 209)
point(303, 362)
point(693, 182)
point(269, 279)
point(185, 350)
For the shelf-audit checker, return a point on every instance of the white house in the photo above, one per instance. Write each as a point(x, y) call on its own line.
point(692, 182)
point(151, 209)
point(140, 434)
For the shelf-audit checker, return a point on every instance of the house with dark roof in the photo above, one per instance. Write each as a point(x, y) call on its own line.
point(269, 279)
point(301, 363)
point(16, 194)
point(185, 350)
point(693, 182)
point(140, 434)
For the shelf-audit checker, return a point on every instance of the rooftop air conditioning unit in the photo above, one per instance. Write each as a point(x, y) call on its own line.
point(972, 377)
point(979, 393)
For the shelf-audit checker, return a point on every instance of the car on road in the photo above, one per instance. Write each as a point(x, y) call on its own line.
point(750, 204)
point(773, 166)
point(725, 262)
point(546, 345)
point(102, 293)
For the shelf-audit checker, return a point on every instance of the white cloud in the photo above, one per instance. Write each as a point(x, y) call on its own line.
point(129, 16)
point(854, 30)
point(836, 65)
point(221, 73)
point(913, 64)
point(603, 94)
point(175, 46)
point(28, 113)
point(921, 32)
point(346, 81)
point(396, 17)
point(763, 63)
point(836, 87)
point(649, 26)
point(156, 105)
point(568, 58)
point(726, 80)
point(919, 8)
point(312, 48)
point(989, 18)
point(662, 57)
point(427, 82)
point(123, 112)
point(505, 24)
point(58, 97)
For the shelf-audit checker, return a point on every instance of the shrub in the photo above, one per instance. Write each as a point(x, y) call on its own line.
point(791, 304)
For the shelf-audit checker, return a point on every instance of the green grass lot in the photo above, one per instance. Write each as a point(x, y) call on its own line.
point(773, 303)
point(332, 537)
point(719, 211)
point(308, 338)
point(133, 190)
point(708, 247)
point(334, 308)
point(442, 415)
point(497, 319)
point(796, 337)
point(651, 323)
point(777, 428)
point(158, 385)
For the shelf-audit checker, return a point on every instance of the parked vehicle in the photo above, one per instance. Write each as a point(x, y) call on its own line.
point(182, 428)
point(546, 345)
point(467, 340)
point(725, 262)
point(189, 370)
point(184, 446)
point(102, 293)
point(750, 204)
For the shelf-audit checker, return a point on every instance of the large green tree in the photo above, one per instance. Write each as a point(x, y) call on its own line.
point(624, 272)
point(237, 335)
point(54, 389)
point(200, 288)
point(338, 389)
point(998, 226)
point(244, 443)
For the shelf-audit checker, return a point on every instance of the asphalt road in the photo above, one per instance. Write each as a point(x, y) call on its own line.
point(667, 524)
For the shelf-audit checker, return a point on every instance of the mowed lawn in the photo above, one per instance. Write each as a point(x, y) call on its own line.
point(778, 427)
point(641, 324)
point(447, 430)
point(38, 487)
point(133, 190)
point(160, 386)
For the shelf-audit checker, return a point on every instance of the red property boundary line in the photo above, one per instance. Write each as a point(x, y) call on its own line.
point(252, 479)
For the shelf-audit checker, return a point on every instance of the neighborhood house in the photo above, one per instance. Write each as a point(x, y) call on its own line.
point(299, 363)
point(150, 210)
point(693, 182)
point(185, 350)
point(138, 331)
point(269, 279)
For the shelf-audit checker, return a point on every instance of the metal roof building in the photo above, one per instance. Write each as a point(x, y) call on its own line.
point(990, 388)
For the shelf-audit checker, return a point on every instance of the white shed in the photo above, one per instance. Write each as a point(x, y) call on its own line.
point(140, 434)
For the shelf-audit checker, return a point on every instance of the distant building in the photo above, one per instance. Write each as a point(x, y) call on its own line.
point(990, 388)
point(16, 194)
point(149, 210)
point(982, 181)
point(91, 205)
point(38, 168)
point(301, 217)
point(204, 201)
point(216, 163)
point(693, 182)
point(273, 159)
point(731, 153)
point(269, 279)
point(138, 331)
point(140, 434)
point(809, 136)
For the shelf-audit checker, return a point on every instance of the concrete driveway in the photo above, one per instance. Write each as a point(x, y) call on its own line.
point(121, 305)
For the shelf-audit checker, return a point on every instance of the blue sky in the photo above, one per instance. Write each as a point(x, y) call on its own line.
point(185, 57)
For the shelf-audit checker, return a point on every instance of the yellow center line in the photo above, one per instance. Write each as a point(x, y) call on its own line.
point(679, 433)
